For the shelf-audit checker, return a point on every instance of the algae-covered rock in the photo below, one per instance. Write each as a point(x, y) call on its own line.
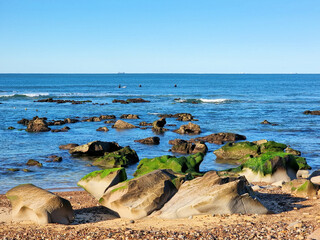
point(236, 151)
point(123, 157)
point(271, 167)
point(272, 146)
point(97, 182)
point(189, 164)
point(186, 147)
point(301, 188)
point(140, 196)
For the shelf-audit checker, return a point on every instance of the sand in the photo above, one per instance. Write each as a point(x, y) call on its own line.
point(293, 218)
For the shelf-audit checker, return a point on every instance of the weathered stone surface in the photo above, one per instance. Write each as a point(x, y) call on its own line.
point(145, 124)
point(292, 151)
point(63, 101)
point(120, 158)
point(32, 162)
point(105, 117)
point(95, 148)
point(212, 194)
point(33, 203)
point(184, 165)
point(103, 129)
point(302, 174)
point(308, 112)
point(37, 125)
point(190, 128)
point(137, 100)
point(186, 147)
point(236, 151)
point(68, 146)
point(129, 116)
point(64, 129)
point(179, 116)
point(149, 140)
point(301, 188)
point(220, 138)
point(123, 125)
point(158, 125)
point(140, 196)
point(96, 183)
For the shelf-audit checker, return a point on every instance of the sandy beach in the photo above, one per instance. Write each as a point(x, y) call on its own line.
point(293, 218)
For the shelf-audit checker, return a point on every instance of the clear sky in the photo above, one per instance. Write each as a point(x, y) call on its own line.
point(164, 36)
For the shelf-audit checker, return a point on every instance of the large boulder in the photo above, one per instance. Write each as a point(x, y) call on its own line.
point(301, 188)
point(220, 138)
point(38, 125)
point(212, 194)
point(140, 196)
point(189, 128)
point(95, 148)
point(97, 182)
point(271, 167)
point(120, 158)
point(158, 125)
point(186, 147)
point(189, 164)
point(123, 125)
point(149, 141)
point(36, 204)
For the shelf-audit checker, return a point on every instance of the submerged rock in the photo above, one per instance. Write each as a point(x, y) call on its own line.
point(138, 197)
point(220, 138)
point(212, 194)
point(158, 125)
point(123, 125)
point(32, 162)
point(103, 129)
point(308, 112)
point(190, 128)
point(149, 141)
point(38, 205)
point(179, 116)
point(68, 146)
point(96, 183)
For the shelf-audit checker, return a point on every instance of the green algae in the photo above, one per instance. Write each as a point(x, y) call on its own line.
point(106, 172)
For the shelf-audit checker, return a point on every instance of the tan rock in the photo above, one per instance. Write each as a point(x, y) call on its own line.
point(190, 128)
point(38, 125)
point(95, 148)
point(123, 125)
point(211, 194)
point(140, 196)
point(301, 188)
point(38, 205)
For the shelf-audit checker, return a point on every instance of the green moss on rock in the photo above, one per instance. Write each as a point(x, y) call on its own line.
point(106, 172)
point(189, 164)
point(235, 151)
point(272, 146)
point(123, 157)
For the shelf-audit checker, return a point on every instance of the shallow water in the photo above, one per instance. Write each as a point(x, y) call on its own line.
point(226, 103)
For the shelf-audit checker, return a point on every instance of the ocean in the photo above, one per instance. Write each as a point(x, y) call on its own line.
point(234, 103)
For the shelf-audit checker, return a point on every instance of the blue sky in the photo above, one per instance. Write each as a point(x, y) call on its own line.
point(167, 36)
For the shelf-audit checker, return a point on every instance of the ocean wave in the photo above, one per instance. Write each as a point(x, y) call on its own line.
point(204, 100)
point(21, 95)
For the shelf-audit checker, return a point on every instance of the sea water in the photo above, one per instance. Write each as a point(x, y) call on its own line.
point(234, 103)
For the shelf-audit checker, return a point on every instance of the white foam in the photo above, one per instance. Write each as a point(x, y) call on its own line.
point(217, 100)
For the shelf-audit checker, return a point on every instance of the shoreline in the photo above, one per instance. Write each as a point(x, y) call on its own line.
point(293, 218)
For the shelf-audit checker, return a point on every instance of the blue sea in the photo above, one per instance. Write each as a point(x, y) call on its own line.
point(234, 103)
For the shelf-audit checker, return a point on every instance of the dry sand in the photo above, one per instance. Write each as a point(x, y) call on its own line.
point(293, 218)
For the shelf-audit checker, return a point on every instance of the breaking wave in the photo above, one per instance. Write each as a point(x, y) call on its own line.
point(204, 100)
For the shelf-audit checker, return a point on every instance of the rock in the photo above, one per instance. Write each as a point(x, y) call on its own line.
point(57, 159)
point(36, 204)
point(129, 116)
point(103, 129)
point(92, 119)
point(95, 148)
point(96, 183)
point(272, 146)
point(265, 122)
point(32, 162)
point(64, 129)
point(63, 101)
point(308, 112)
point(302, 174)
point(13, 169)
point(180, 116)
point(145, 124)
point(211, 194)
point(301, 188)
point(120, 101)
point(24, 122)
point(190, 128)
point(278, 184)
point(68, 146)
point(109, 121)
point(11, 128)
point(140, 196)
point(137, 100)
point(149, 140)
point(123, 125)
point(158, 125)
point(220, 138)
point(315, 177)
point(236, 151)
point(185, 147)
point(105, 117)
point(37, 125)
point(184, 165)
point(70, 120)
point(260, 142)
point(120, 158)
point(292, 151)
point(271, 167)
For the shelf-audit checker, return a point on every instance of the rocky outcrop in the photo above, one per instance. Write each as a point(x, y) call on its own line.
point(220, 138)
point(120, 158)
point(95, 148)
point(266, 122)
point(179, 116)
point(33, 203)
point(129, 116)
point(68, 146)
point(183, 165)
point(103, 129)
point(308, 112)
point(158, 125)
point(140, 196)
point(137, 100)
point(96, 183)
point(123, 125)
point(38, 125)
point(186, 147)
point(212, 194)
point(301, 188)
point(144, 124)
point(149, 141)
point(292, 151)
point(32, 162)
point(64, 129)
point(190, 128)
point(63, 101)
